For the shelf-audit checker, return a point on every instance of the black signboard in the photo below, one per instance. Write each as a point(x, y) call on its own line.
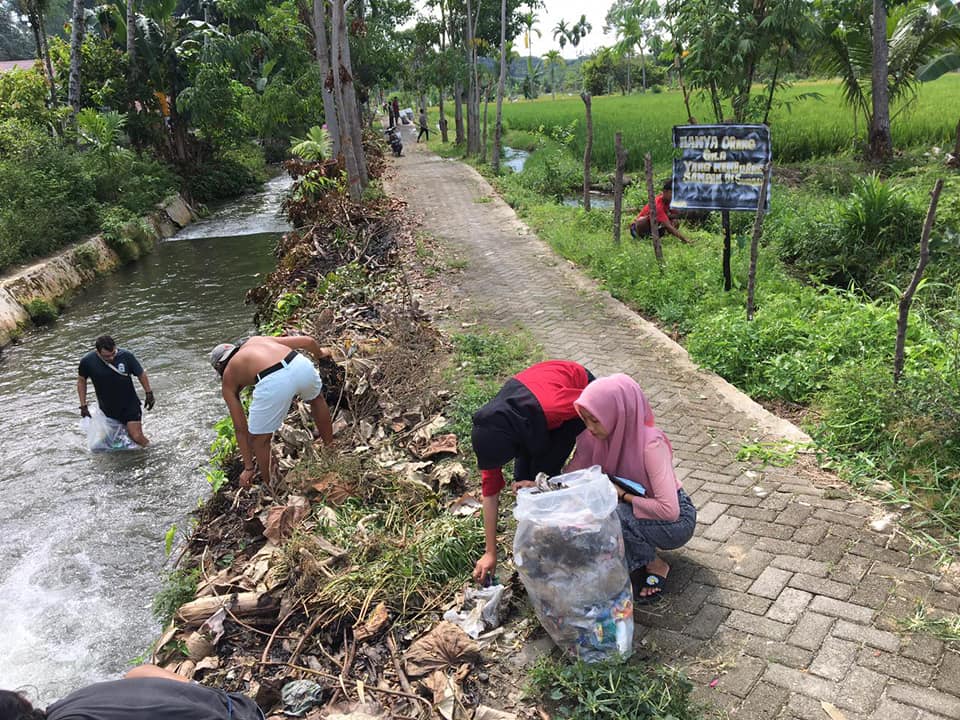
point(720, 167)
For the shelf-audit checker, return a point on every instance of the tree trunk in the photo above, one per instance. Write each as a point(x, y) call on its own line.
point(727, 274)
point(486, 104)
point(131, 50)
point(755, 242)
point(587, 152)
point(348, 153)
point(35, 17)
point(773, 87)
point(473, 106)
point(443, 119)
point(351, 105)
point(498, 127)
point(643, 70)
point(618, 186)
point(458, 112)
point(321, 48)
point(76, 40)
point(683, 89)
point(652, 204)
point(880, 143)
point(907, 299)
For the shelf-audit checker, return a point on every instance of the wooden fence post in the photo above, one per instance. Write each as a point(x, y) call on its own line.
point(652, 204)
point(587, 152)
point(727, 275)
point(907, 298)
point(618, 186)
point(755, 242)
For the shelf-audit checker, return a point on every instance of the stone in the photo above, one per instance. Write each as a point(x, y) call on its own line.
point(178, 211)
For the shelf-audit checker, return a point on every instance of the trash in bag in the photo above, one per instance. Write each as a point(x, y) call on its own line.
point(105, 433)
point(569, 554)
point(480, 612)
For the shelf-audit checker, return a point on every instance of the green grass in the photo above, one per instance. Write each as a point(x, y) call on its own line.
point(612, 690)
point(799, 129)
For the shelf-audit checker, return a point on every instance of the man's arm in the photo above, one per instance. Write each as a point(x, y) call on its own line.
point(675, 232)
point(148, 397)
point(231, 396)
point(82, 394)
point(305, 342)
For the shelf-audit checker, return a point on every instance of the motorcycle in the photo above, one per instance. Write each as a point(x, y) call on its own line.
point(393, 140)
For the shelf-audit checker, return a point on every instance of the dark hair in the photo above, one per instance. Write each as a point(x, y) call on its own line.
point(105, 342)
point(14, 706)
point(668, 184)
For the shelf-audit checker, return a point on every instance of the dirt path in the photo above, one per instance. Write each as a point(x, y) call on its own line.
point(786, 594)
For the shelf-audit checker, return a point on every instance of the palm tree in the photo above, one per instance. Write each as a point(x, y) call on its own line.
point(581, 28)
point(529, 20)
point(633, 24)
point(561, 33)
point(846, 49)
point(553, 60)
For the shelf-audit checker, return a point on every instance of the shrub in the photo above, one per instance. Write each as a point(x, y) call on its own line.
point(126, 233)
point(229, 174)
point(86, 257)
point(41, 312)
point(179, 587)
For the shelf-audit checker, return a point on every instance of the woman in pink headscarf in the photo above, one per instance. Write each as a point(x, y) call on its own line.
point(622, 439)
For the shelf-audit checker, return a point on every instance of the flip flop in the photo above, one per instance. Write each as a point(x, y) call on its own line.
point(649, 580)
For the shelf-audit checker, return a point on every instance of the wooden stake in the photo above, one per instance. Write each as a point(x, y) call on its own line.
point(618, 186)
point(652, 204)
point(727, 275)
point(907, 299)
point(755, 242)
point(587, 152)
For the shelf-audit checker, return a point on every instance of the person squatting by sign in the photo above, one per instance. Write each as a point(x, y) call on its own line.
point(720, 166)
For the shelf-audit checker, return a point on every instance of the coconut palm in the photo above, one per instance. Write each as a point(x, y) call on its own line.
point(529, 20)
point(561, 33)
point(552, 60)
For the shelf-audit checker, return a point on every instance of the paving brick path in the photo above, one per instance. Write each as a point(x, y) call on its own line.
point(786, 594)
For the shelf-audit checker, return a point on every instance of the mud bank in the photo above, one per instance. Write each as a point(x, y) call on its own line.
point(54, 279)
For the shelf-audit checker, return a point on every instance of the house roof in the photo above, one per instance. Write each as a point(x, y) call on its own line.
point(7, 65)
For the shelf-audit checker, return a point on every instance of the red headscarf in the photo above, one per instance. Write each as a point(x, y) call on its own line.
point(621, 407)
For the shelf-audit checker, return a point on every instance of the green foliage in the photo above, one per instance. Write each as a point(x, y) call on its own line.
point(213, 104)
point(224, 446)
point(168, 539)
point(41, 312)
point(86, 257)
point(180, 586)
point(101, 130)
point(613, 690)
point(126, 233)
point(284, 308)
point(550, 170)
point(24, 95)
point(315, 147)
point(226, 175)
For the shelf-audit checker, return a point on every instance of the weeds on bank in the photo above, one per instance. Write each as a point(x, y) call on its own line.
point(612, 690)
point(774, 454)
point(943, 627)
point(179, 587)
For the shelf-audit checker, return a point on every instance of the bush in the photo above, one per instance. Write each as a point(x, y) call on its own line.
point(126, 233)
point(86, 257)
point(41, 312)
point(231, 173)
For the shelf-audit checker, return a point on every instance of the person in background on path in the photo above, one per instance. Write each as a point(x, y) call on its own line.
point(111, 369)
point(424, 127)
point(145, 692)
point(277, 373)
point(395, 106)
point(640, 227)
point(533, 422)
point(622, 439)
point(388, 106)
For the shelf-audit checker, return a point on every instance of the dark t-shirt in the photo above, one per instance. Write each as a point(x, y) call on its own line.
point(115, 393)
point(152, 699)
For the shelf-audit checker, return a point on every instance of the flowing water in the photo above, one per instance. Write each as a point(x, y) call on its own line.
point(81, 534)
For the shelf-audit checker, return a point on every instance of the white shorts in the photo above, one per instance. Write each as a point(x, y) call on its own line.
point(273, 394)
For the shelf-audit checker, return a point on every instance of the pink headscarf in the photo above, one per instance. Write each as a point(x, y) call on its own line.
point(619, 404)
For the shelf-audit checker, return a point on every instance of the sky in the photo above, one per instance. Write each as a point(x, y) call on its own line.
point(569, 10)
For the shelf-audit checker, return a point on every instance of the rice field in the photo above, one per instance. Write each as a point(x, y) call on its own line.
point(800, 129)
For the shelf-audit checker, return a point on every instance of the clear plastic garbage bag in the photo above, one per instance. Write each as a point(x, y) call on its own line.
point(569, 553)
point(105, 433)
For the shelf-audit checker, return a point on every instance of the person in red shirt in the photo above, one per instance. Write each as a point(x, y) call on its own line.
point(665, 216)
point(533, 422)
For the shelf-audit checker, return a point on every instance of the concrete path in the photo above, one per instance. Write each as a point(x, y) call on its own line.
point(786, 596)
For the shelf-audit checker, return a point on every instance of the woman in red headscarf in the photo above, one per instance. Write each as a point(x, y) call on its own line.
point(622, 439)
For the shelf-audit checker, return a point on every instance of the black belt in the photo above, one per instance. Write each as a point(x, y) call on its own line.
point(291, 356)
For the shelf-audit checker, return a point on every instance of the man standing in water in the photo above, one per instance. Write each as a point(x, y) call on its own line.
point(111, 369)
point(277, 373)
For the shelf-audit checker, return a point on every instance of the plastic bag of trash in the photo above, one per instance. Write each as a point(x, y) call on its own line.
point(480, 612)
point(568, 551)
point(105, 433)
